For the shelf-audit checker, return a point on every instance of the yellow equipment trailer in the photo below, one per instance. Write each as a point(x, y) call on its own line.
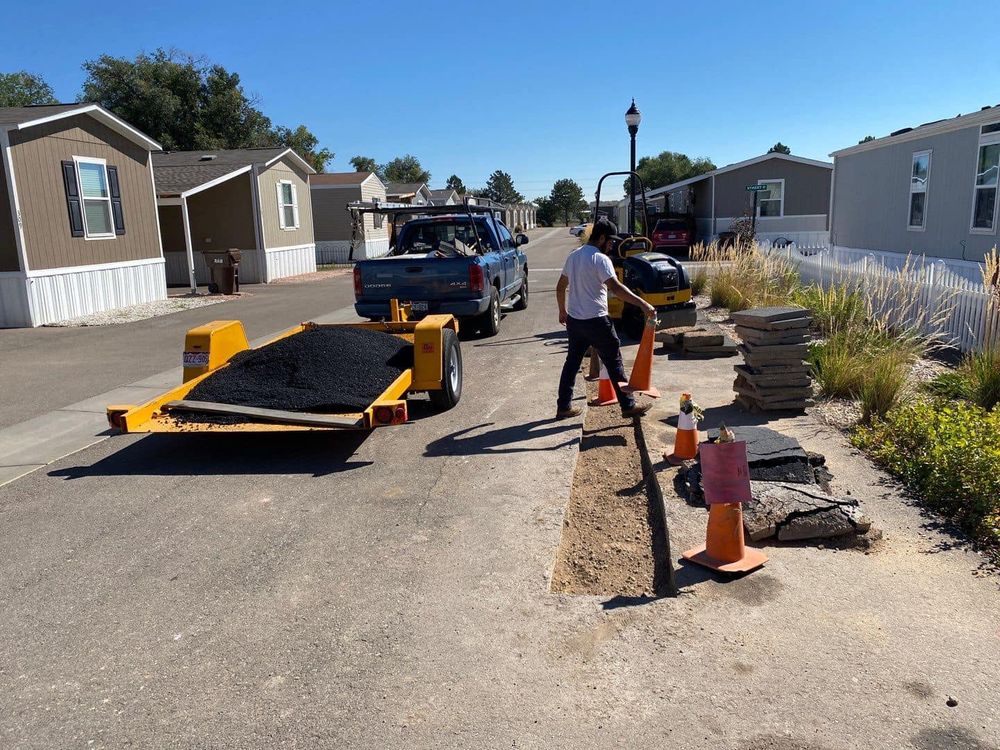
point(437, 370)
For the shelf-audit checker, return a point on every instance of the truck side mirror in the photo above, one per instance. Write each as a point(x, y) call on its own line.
point(522, 239)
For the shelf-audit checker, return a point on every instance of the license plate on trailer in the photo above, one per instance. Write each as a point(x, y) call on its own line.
point(196, 359)
point(418, 307)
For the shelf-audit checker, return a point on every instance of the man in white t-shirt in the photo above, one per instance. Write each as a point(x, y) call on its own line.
point(588, 275)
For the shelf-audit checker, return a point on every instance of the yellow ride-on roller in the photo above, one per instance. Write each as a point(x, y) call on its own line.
point(659, 279)
point(437, 370)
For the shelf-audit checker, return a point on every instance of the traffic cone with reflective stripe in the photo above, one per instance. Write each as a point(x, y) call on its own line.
point(605, 390)
point(724, 549)
point(686, 437)
point(641, 379)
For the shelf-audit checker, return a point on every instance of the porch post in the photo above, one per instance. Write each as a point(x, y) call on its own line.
point(187, 244)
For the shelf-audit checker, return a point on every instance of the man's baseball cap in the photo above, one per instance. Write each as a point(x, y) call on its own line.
point(605, 227)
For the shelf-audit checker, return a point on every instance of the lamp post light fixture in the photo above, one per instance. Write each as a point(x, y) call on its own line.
point(632, 119)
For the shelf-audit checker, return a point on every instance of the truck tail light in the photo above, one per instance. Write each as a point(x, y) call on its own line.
point(477, 280)
point(357, 283)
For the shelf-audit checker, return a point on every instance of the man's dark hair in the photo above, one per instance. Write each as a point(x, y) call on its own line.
point(603, 228)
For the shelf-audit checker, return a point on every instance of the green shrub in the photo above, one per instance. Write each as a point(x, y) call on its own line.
point(839, 308)
point(699, 281)
point(948, 453)
point(977, 379)
point(836, 366)
point(883, 384)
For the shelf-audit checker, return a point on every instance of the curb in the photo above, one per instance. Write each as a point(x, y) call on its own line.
point(654, 489)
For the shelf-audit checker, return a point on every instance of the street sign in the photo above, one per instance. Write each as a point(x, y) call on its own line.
point(756, 188)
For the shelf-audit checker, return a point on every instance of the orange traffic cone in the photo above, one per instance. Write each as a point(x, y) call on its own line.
point(724, 549)
point(641, 379)
point(686, 437)
point(605, 391)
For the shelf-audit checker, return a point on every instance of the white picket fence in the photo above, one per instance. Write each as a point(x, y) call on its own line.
point(946, 299)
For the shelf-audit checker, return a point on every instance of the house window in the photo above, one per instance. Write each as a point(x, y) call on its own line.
point(771, 202)
point(288, 205)
point(984, 190)
point(93, 176)
point(920, 173)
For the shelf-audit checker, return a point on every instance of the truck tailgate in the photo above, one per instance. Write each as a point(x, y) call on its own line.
point(414, 278)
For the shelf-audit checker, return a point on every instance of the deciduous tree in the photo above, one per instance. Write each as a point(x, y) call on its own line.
point(455, 183)
point(666, 168)
point(188, 104)
point(22, 89)
point(567, 199)
point(405, 169)
point(500, 188)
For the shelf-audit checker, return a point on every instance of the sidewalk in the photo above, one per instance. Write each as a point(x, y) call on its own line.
point(877, 640)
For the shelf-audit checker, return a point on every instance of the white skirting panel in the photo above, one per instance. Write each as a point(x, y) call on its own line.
point(290, 261)
point(177, 273)
point(14, 312)
point(338, 251)
point(59, 294)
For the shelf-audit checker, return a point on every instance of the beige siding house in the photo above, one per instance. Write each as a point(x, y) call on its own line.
point(252, 200)
point(332, 222)
point(78, 220)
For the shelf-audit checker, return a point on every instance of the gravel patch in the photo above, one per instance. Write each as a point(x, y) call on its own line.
point(134, 313)
point(841, 413)
point(323, 370)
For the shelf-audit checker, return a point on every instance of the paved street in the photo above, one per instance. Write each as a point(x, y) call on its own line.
point(391, 591)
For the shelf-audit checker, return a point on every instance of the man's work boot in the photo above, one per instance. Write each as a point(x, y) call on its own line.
point(573, 411)
point(636, 411)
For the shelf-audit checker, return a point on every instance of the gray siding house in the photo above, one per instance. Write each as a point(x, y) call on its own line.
point(929, 190)
point(795, 204)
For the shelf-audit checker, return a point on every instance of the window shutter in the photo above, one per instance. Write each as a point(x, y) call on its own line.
point(73, 199)
point(281, 207)
point(116, 201)
point(295, 206)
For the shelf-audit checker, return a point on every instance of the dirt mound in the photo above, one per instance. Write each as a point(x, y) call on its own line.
point(323, 370)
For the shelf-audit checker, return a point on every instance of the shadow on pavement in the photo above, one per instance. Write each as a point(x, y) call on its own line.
point(549, 338)
point(460, 443)
point(318, 454)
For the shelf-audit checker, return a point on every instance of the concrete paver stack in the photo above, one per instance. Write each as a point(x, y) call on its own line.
point(775, 375)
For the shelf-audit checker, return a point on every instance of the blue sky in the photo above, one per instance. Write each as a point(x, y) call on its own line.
point(539, 89)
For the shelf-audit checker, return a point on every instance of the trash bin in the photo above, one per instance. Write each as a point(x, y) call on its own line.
point(224, 268)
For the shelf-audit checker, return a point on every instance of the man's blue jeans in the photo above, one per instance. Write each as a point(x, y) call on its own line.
point(600, 334)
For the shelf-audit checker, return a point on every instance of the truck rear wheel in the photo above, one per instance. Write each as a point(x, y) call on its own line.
point(522, 301)
point(489, 321)
point(451, 372)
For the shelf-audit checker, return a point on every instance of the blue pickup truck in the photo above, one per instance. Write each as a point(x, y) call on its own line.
point(453, 259)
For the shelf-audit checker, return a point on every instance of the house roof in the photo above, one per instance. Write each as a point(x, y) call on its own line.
point(341, 178)
point(404, 188)
point(983, 116)
point(178, 172)
point(443, 195)
point(731, 167)
point(20, 118)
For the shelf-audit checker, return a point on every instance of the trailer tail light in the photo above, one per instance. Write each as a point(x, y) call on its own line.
point(357, 283)
point(477, 279)
point(389, 414)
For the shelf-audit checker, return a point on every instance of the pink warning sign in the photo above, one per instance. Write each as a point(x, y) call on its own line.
point(725, 475)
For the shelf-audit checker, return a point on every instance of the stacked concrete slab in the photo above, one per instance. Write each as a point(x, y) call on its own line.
point(698, 342)
point(774, 375)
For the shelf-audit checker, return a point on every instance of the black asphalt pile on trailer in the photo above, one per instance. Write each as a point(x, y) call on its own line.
point(325, 370)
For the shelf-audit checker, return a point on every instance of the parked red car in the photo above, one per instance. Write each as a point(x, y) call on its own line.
point(673, 236)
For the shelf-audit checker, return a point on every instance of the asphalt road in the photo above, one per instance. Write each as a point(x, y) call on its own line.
point(42, 369)
point(306, 591)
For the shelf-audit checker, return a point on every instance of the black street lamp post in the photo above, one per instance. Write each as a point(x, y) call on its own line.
point(632, 119)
